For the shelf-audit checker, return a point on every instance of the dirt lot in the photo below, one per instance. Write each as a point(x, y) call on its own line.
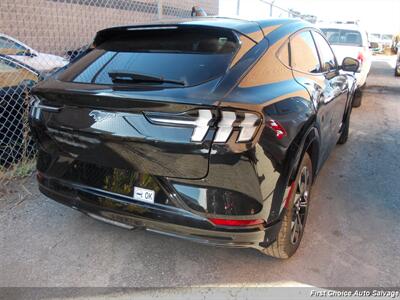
point(352, 236)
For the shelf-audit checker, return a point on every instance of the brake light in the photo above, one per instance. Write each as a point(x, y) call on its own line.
point(361, 57)
point(229, 222)
point(199, 123)
point(280, 132)
point(248, 126)
point(247, 123)
point(225, 126)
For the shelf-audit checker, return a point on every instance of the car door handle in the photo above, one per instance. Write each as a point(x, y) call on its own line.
point(35, 104)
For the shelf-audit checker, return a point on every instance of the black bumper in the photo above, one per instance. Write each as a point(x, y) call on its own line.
point(163, 219)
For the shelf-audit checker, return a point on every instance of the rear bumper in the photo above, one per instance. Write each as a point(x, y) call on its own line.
point(361, 78)
point(157, 218)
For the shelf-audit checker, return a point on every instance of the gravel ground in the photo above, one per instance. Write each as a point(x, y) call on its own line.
point(352, 237)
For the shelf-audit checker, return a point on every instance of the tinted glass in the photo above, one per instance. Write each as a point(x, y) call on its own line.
point(325, 52)
point(343, 37)
point(174, 55)
point(12, 74)
point(6, 66)
point(387, 36)
point(303, 54)
point(8, 44)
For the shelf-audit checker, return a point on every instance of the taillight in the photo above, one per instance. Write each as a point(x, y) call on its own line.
point(201, 120)
point(248, 127)
point(230, 222)
point(225, 126)
point(361, 57)
point(200, 123)
point(247, 123)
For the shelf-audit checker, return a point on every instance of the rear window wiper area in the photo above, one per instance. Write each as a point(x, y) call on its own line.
point(122, 77)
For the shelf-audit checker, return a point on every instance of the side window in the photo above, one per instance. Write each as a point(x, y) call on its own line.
point(8, 44)
point(328, 61)
point(303, 54)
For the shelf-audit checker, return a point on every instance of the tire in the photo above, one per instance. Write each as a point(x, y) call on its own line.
point(396, 72)
point(288, 239)
point(357, 98)
point(344, 136)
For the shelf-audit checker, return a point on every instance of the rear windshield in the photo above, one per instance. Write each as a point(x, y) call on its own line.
point(387, 36)
point(343, 37)
point(171, 56)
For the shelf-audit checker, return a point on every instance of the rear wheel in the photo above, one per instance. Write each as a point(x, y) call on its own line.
point(295, 215)
point(357, 98)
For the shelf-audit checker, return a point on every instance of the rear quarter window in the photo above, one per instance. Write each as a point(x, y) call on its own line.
point(303, 53)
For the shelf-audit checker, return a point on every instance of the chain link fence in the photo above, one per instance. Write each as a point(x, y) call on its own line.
point(39, 36)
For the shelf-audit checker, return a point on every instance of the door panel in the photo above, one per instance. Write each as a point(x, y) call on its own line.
point(336, 85)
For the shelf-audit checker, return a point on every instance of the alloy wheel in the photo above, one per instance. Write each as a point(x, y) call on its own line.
point(300, 205)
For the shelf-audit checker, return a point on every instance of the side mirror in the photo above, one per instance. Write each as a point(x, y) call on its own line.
point(350, 64)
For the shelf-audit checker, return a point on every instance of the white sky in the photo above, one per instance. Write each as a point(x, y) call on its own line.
point(381, 16)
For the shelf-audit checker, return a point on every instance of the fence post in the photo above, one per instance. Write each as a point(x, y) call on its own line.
point(160, 9)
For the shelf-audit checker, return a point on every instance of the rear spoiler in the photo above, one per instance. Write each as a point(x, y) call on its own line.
point(252, 31)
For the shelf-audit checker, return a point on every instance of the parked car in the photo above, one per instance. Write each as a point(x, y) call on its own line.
point(375, 43)
point(396, 43)
point(41, 62)
point(16, 79)
point(379, 42)
point(212, 130)
point(350, 40)
point(387, 40)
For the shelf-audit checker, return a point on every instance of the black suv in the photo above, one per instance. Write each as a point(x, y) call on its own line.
point(208, 129)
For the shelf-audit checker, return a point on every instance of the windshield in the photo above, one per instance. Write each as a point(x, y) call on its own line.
point(387, 36)
point(343, 37)
point(171, 56)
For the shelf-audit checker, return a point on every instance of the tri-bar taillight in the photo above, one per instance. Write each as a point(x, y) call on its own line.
point(226, 121)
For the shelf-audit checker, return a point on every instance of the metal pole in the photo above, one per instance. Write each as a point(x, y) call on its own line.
point(160, 9)
point(238, 8)
point(271, 6)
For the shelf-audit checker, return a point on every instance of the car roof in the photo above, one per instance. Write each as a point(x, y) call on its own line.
point(251, 28)
point(340, 26)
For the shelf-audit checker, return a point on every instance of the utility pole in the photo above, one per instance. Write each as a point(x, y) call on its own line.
point(160, 9)
point(271, 6)
point(238, 8)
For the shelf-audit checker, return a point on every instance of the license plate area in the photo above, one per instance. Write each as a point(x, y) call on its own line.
point(136, 186)
point(143, 195)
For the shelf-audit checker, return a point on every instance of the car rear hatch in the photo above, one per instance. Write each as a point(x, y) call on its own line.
point(345, 43)
point(142, 99)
